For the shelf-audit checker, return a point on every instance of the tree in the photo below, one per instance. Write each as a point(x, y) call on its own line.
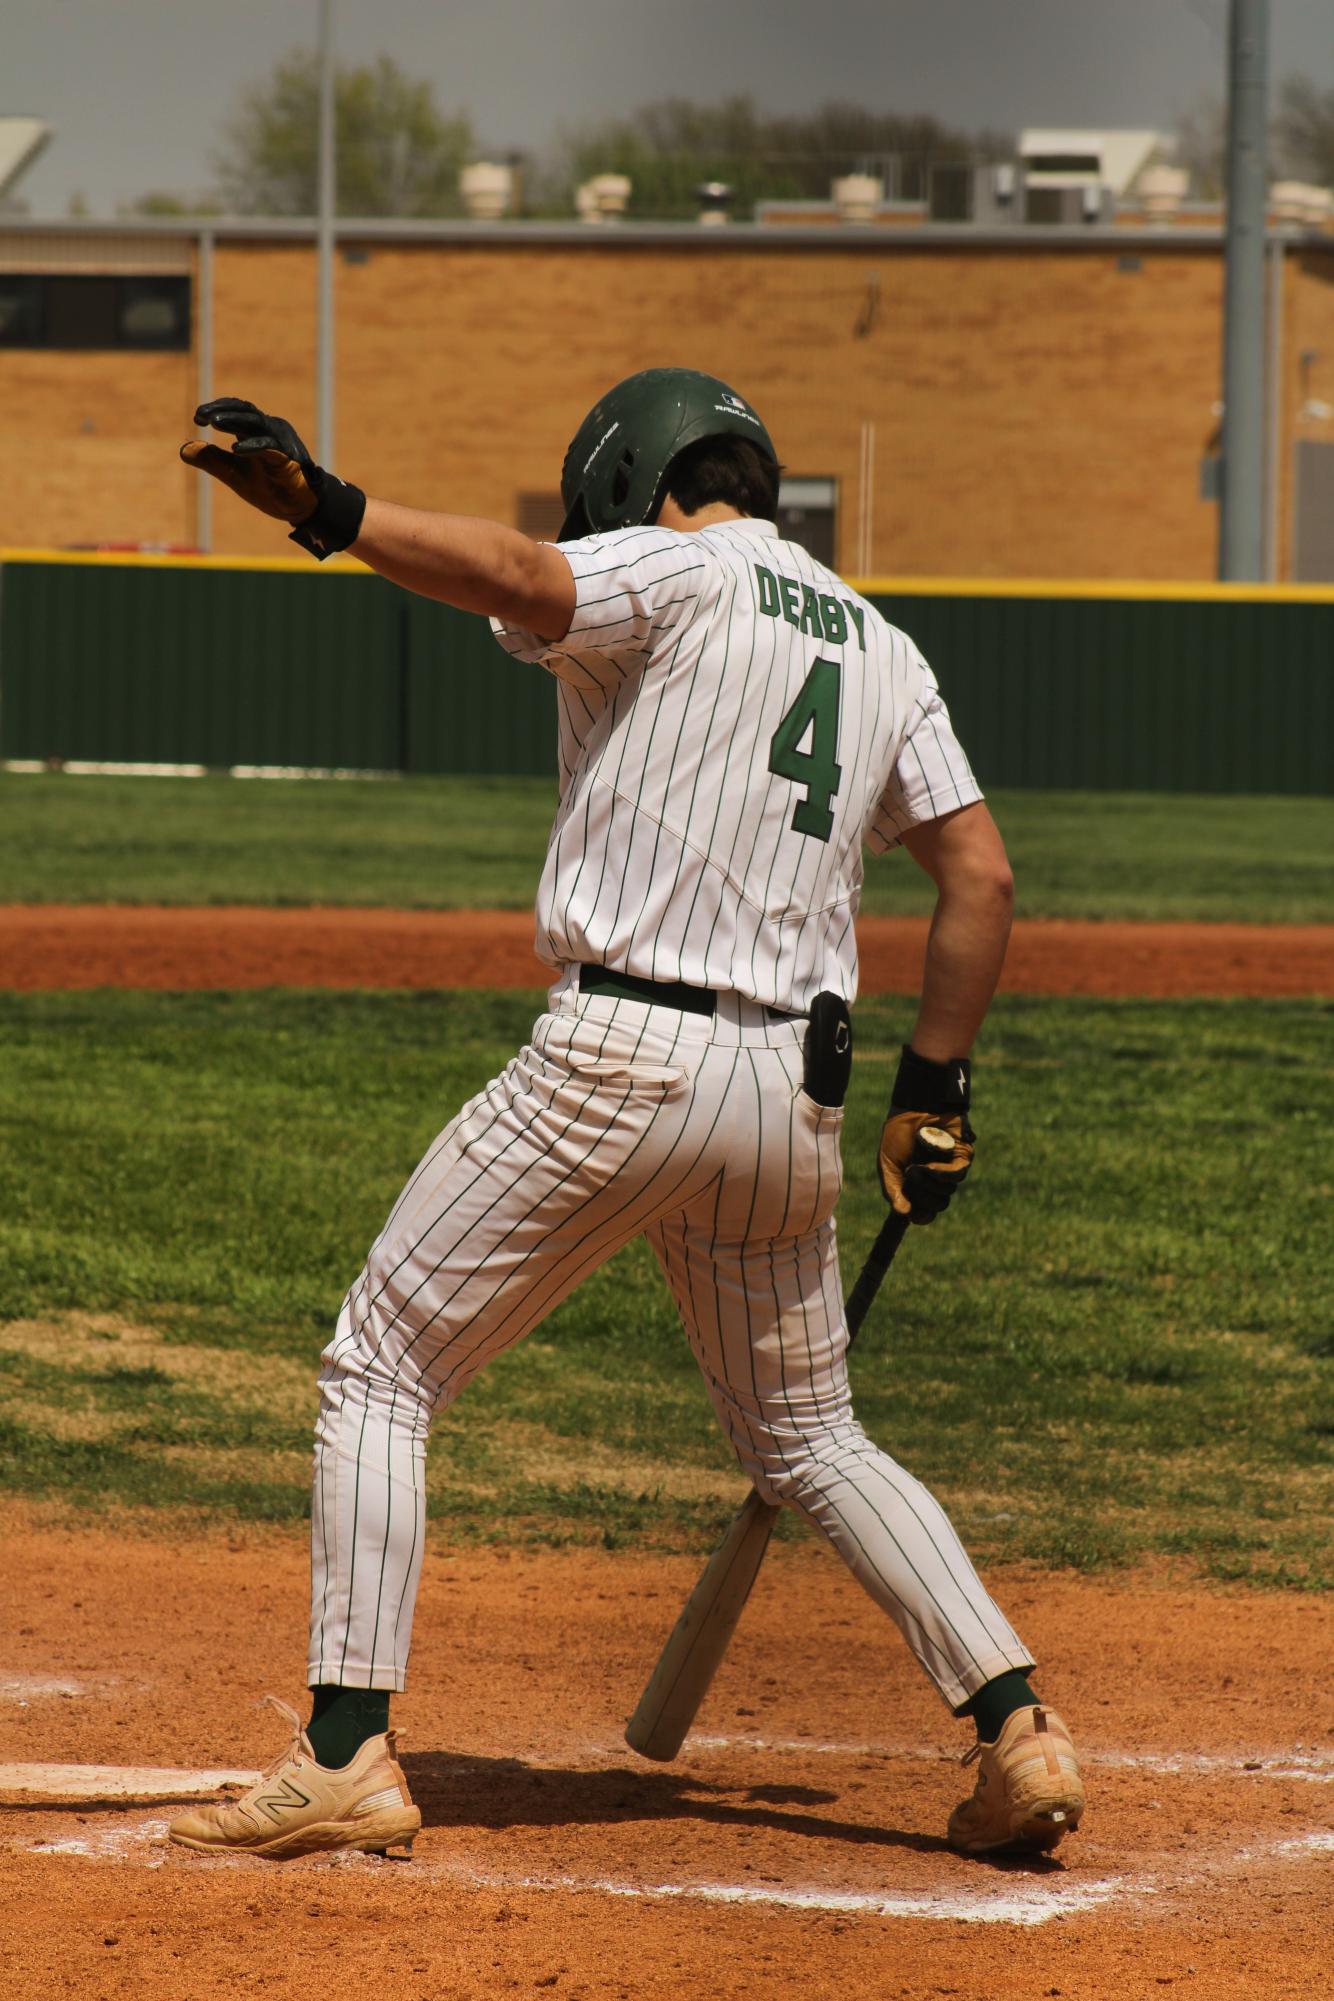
point(668, 148)
point(1301, 139)
point(161, 202)
point(1201, 147)
point(397, 154)
point(1304, 131)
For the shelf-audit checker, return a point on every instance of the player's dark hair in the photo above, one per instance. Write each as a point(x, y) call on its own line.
point(732, 470)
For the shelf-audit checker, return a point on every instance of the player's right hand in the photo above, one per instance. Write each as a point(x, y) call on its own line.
point(920, 1187)
point(918, 1182)
point(268, 466)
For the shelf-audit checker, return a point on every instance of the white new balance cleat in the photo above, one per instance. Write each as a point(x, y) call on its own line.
point(300, 1807)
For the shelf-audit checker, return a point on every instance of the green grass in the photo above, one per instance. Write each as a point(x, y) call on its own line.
point(479, 842)
point(1118, 1344)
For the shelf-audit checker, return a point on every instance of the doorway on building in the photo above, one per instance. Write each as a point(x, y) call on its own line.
point(806, 511)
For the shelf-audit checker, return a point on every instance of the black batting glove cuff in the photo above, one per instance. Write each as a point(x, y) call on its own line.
point(924, 1086)
point(336, 522)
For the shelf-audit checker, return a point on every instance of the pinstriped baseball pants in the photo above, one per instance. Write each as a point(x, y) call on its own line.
point(622, 1119)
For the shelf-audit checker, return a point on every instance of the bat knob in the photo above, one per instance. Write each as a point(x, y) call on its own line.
point(933, 1141)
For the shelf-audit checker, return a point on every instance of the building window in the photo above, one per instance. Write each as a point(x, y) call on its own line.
point(806, 510)
point(93, 312)
point(20, 312)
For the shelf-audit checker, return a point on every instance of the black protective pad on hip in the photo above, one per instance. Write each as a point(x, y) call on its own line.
point(827, 1053)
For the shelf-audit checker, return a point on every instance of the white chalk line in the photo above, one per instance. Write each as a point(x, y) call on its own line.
point(93, 1783)
point(1317, 1766)
point(145, 1844)
point(26, 1688)
point(1320, 1839)
point(1026, 1904)
point(1032, 1904)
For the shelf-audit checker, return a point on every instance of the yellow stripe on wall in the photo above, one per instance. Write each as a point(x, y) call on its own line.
point(133, 559)
point(891, 587)
point(1090, 587)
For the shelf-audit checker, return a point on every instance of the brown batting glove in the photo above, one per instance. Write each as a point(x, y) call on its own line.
point(270, 468)
point(925, 1094)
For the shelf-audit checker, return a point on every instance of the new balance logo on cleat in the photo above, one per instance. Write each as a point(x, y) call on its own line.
point(275, 1805)
point(300, 1807)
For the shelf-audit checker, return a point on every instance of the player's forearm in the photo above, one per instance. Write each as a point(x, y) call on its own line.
point(469, 562)
point(964, 955)
point(964, 855)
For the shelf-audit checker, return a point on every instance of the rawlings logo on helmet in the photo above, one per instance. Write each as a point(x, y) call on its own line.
point(600, 443)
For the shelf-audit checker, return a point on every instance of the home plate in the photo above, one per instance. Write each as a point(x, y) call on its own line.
point(110, 1785)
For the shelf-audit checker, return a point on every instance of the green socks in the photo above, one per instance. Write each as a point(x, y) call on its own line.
point(341, 1719)
point(996, 1701)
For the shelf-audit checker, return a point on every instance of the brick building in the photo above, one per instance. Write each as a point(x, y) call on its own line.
point(949, 400)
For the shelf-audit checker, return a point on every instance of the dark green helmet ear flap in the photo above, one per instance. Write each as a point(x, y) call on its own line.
point(615, 472)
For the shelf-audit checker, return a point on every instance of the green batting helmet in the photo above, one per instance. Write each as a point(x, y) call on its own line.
point(615, 472)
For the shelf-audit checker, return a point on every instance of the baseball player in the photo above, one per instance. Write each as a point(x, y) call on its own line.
point(735, 725)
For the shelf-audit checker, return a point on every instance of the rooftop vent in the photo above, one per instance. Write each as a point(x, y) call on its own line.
point(1161, 190)
point(1301, 202)
point(487, 190)
point(857, 197)
point(715, 201)
point(604, 198)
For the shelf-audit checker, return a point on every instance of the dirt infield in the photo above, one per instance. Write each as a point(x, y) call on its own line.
point(795, 1850)
point(94, 945)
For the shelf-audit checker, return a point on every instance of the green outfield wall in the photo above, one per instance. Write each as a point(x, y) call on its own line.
point(191, 662)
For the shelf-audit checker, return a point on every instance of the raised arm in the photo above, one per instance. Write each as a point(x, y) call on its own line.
point(475, 564)
point(460, 559)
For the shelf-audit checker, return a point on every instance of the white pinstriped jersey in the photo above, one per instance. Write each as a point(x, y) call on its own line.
point(735, 724)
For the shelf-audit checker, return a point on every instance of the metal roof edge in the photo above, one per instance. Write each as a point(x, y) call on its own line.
point(1027, 237)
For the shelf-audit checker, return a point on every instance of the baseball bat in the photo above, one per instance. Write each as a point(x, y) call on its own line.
point(699, 1639)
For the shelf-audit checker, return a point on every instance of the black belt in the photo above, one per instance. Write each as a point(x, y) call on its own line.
point(660, 993)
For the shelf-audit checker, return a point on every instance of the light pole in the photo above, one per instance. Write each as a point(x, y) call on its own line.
point(1241, 510)
point(324, 345)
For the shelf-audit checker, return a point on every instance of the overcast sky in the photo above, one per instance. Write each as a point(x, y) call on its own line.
point(136, 89)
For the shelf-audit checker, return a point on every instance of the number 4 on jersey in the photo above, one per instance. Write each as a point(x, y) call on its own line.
point(813, 714)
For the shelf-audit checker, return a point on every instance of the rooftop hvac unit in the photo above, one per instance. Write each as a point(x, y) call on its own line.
point(1085, 203)
point(950, 191)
